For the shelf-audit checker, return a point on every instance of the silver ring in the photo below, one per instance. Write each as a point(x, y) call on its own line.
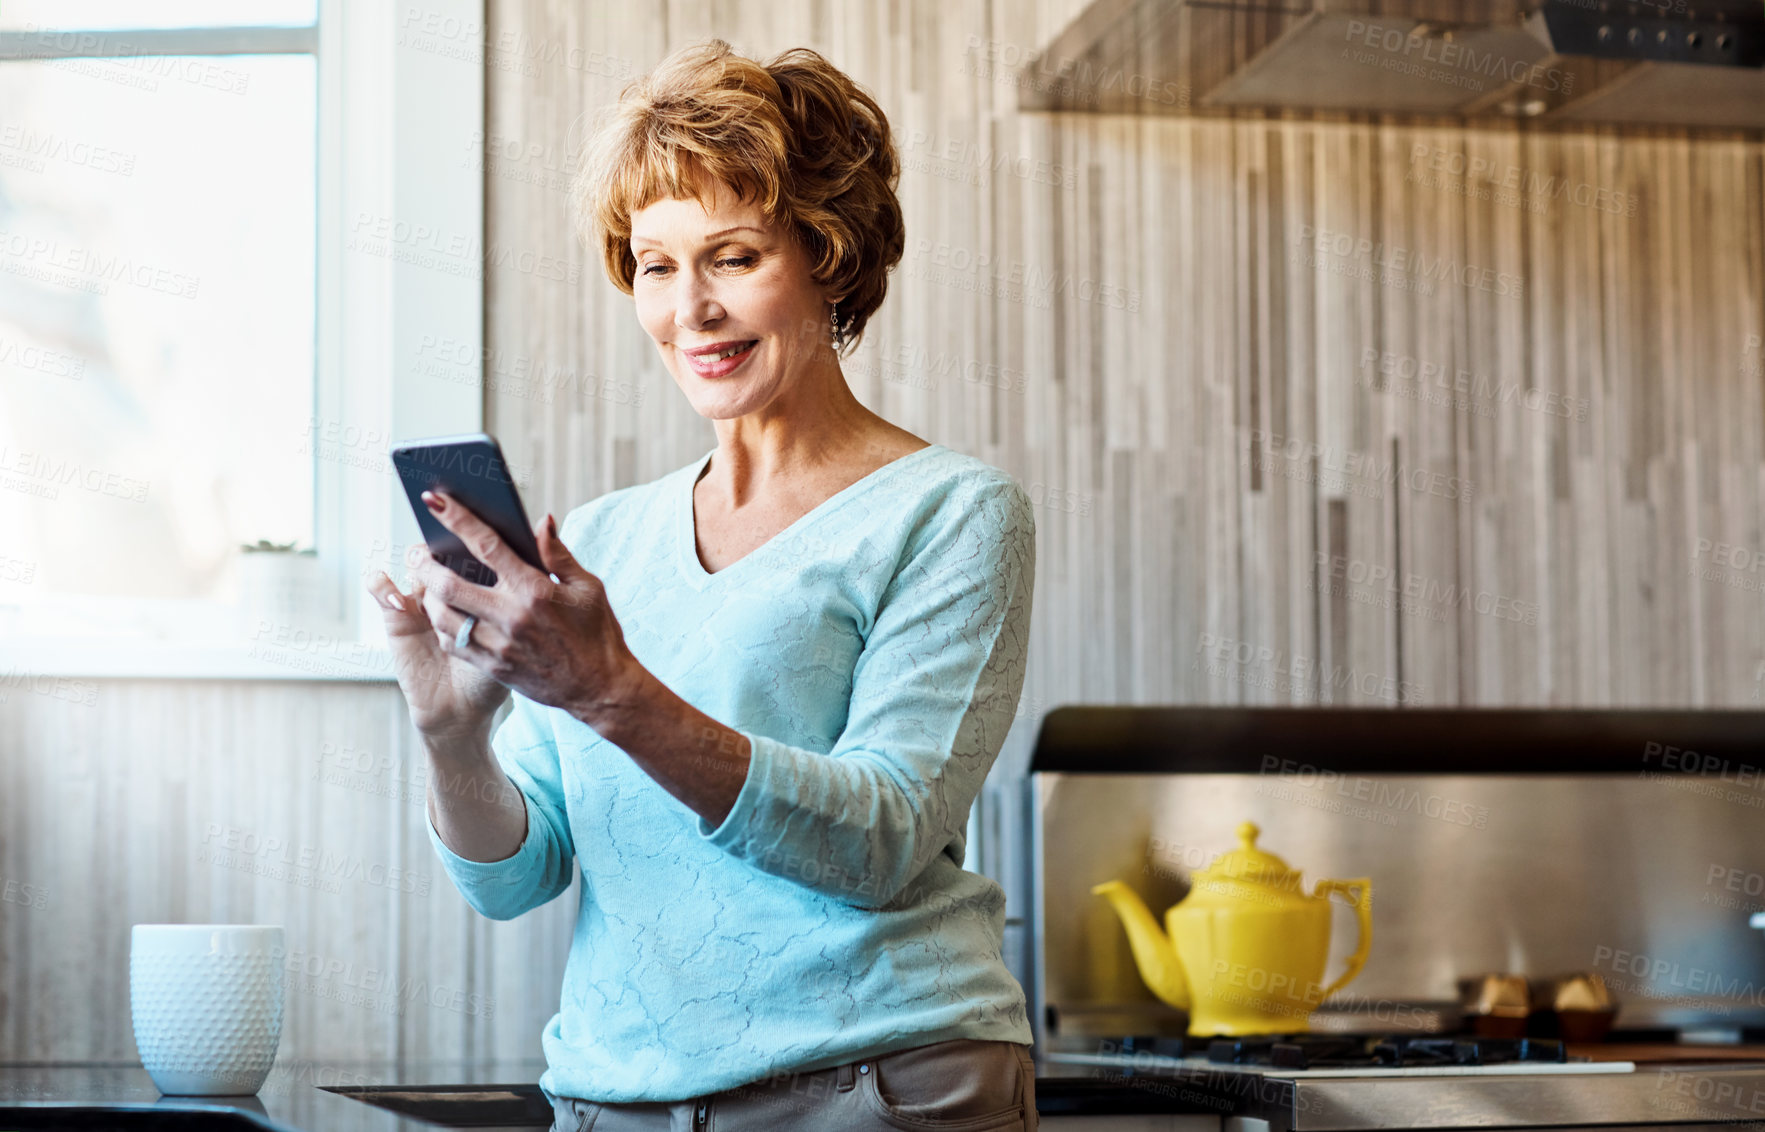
point(463, 638)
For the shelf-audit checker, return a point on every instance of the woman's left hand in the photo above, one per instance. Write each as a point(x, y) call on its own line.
point(557, 643)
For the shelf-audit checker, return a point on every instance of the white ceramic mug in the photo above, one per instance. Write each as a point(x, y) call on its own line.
point(207, 1005)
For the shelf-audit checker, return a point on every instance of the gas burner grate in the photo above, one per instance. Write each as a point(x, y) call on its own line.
point(1467, 1051)
point(1318, 1051)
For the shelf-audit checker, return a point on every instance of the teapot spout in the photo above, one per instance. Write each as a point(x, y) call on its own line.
point(1153, 951)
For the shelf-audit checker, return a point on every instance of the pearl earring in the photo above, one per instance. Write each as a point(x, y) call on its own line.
point(839, 334)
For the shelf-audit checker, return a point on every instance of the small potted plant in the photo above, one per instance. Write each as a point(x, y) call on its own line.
point(277, 583)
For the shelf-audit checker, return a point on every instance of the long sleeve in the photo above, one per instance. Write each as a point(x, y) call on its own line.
point(934, 692)
point(541, 868)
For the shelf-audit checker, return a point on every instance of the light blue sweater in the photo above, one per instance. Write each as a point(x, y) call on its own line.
point(873, 653)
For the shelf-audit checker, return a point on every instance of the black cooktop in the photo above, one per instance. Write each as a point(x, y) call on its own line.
point(1332, 1051)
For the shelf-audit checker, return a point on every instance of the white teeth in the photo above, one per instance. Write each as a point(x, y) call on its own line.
point(707, 359)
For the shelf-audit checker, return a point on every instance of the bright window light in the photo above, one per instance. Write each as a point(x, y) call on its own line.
point(110, 15)
point(157, 249)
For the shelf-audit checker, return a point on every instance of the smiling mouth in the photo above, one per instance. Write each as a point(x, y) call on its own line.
point(711, 361)
point(729, 353)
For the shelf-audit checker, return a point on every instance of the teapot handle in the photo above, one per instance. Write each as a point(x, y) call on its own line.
point(1363, 907)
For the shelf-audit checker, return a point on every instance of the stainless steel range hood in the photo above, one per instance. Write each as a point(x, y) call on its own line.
point(1564, 63)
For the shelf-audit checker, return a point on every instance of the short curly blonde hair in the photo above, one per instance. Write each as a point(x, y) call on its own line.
point(796, 134)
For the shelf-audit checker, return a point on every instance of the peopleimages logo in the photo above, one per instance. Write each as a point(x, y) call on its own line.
point(1531, 184)
point(1414, 587)
point(1293, 674)
point(1681, 761)
point(1470, 391)
point(42, 475)
point(1079, 78)
point(149, 59)
point(50, 363)
point(1385, 795)
point(1655, 973)
point(37, 146)
point(374, 988)
point(87, 269)
point(1373, 469)
point(1408, 262)
point(1404, 50)
point(918, 148)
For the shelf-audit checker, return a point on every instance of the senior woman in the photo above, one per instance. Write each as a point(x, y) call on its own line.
point(764, 764)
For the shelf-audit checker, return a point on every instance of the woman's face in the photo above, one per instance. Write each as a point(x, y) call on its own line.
point(721, 275)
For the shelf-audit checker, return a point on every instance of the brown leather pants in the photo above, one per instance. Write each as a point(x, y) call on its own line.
point(962, 1085)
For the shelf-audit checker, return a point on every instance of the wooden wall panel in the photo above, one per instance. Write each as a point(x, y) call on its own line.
point(1189, 397)
point(247, 802)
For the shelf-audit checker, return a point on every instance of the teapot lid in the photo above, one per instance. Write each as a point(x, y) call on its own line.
point(1248, 863)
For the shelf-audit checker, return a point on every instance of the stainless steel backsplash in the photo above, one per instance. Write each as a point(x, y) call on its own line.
point(1649, 882)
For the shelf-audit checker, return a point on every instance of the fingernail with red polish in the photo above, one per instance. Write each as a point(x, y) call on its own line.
point(432, 501)
point(551, 524)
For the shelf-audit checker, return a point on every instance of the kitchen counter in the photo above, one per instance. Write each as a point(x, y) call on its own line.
point(297, 1097)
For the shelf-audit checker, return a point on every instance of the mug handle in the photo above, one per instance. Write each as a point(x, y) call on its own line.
point(1363, 907)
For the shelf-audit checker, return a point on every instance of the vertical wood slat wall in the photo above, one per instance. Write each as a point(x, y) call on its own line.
point(1191, 377)
point(1191, 459)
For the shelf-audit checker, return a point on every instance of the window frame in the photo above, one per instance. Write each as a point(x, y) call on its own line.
point(398, 109)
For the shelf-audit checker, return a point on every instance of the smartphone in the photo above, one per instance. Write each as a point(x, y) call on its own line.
point(471, 470)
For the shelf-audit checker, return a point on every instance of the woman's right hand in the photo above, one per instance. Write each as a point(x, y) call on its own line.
point(449, 698)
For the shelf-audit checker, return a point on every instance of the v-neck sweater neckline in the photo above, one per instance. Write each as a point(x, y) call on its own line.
point(687, 530)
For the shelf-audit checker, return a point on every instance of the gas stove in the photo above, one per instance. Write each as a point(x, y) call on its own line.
point(1315, 1051)
point(1151, 795)
point(1307, 1056)
point(1333, 1082)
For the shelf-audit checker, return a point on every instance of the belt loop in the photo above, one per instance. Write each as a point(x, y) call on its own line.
point(845, 1079)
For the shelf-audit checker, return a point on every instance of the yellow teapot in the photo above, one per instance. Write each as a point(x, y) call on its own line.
point(1246, 948)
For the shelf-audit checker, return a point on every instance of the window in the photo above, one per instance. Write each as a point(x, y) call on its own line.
point(112, 15)
point(197, 346)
